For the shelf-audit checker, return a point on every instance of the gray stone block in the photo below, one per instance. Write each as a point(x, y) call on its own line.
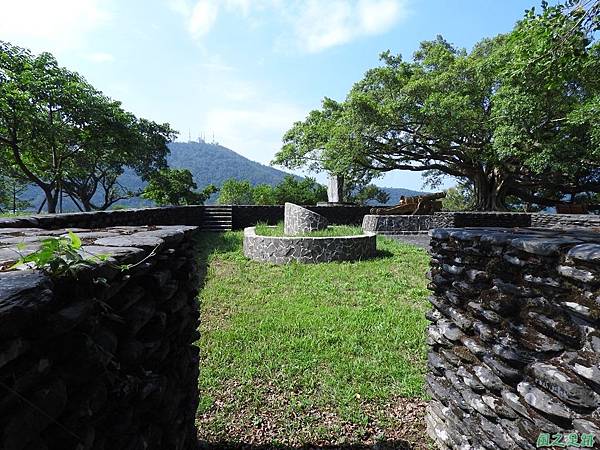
point(299, 220)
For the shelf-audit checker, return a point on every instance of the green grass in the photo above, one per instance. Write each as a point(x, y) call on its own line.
point(263, 229)
point(290, 345)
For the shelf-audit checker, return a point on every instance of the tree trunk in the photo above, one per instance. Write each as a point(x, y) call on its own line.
point(490, 192)
point(87, 205)
point(51, 201)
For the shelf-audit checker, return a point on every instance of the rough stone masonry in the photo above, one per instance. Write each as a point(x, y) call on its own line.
point(299, 220)
point(514, 340)
point(105, 360)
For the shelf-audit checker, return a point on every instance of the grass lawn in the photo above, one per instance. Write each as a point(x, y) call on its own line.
point(322, 354)
point(338, 230)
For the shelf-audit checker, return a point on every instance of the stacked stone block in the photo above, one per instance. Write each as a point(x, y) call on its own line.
point(299, 220)
point(397, 224)
point(514, 337)
point(566, 221)
point(105, 360)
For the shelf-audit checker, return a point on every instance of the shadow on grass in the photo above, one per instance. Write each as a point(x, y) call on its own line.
point(382, 254)
point(381, 445)
point(209, 243)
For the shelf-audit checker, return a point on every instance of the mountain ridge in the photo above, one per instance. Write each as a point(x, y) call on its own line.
point(209, 163)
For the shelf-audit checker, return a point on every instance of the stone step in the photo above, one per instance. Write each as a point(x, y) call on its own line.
point(217, 215)
point(218, 219)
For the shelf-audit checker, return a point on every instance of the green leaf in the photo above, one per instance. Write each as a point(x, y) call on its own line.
point(75, 240)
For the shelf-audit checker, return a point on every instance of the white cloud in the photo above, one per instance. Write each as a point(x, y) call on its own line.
point(315, 25)
point(50, 25)
point(322, 24)
point(100, 57)
point(202, 17)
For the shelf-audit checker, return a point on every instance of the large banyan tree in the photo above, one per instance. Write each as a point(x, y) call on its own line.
point(517, 116)
point(59, 133)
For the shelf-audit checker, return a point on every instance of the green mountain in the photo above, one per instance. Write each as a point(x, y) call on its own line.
point(209, 163)
point(213, 163)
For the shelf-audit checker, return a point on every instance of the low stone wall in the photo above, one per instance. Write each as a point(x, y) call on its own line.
point(514, 337)
point(249, 215)
point(244, 216)
point(171, 215)
point(282, 250)
point(397, 224)
point(565, 220)
point(481, 219)
point(106, 360)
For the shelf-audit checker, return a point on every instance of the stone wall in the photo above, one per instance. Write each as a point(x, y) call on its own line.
point(514, 337)
point(106, 360)
point(510, 220)
point(171, 215)
point(299, 220)
point(397, 224)
point(249, 215)
point(565, 220)
point(282, 250)
point(481, 219)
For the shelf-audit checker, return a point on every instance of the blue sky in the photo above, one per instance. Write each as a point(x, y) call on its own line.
point(243, 70)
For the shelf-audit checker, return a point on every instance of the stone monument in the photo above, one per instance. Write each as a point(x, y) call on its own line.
point(335, 189)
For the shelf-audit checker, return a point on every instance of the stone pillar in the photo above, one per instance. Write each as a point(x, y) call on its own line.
point(335, 189)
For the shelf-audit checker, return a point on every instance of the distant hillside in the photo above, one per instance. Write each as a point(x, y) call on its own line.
point(396, 193)
point(213, 163)
point(209, 163)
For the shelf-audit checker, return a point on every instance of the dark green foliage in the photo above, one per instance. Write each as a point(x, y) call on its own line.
point(64, 136)
point(304, 191)
point(176, 187)
point(236, 192)
point(11, 194)
point(459, 198)
point(317, 143)
point(264, 194)
point(517, 116)
point(301, 192)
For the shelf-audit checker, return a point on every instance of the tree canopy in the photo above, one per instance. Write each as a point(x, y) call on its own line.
point(65, 136)
point(317, 143)
point(176, 187)
point(291, 189)
point(512, 117)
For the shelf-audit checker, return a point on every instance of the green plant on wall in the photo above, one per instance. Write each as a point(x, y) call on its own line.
point(64, 256)
point(58, 256)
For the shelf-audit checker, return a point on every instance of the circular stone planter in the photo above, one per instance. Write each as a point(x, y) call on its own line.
point(284, 249)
